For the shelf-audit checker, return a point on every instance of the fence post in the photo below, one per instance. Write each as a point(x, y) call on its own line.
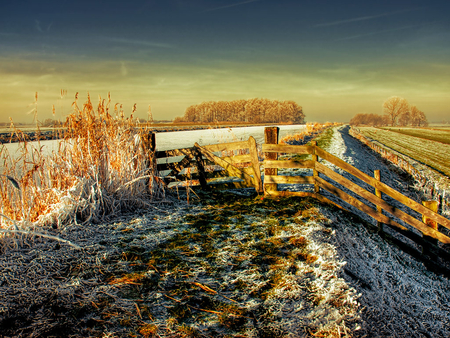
point(270, 137)
point(377, 176)
point(433, 206)
point(255, 164)
point(315, 172)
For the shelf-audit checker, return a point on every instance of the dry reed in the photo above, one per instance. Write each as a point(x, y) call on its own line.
point(100, 168)
point(312, 129)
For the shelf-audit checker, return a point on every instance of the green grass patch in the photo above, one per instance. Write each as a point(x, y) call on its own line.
point(237, 251)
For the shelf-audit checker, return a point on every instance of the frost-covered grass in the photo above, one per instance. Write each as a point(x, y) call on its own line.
point(432, 134)
point(249, 268)
point(431, 153)
point(229, 267)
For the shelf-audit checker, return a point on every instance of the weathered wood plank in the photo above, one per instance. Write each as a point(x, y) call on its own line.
point(432, 205)
point(279, 179)
point(184, 163)
point(237, 158)
point(229, 167)
point(315, 160)
point(172, 153)
point(375, 200)
point(230, 146)
point(287, 149)
point(167, 166)
point(384, 188)
point(290, 164)
point(355, 202)
point(270, 138)
point(255, 164)
point(176, 167)
point(377, 176)
point(201, 169)
point(286, 193)
point(380, 217)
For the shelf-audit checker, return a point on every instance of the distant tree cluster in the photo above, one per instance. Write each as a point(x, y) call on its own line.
point(397, 112)
point(252, 110)
point(369, 120)
point(52, 123)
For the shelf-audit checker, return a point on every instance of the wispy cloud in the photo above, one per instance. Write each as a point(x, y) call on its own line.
point(364, 18)
point(139, 42)
point(123, 69)
point(39, 28)
point(228, 6)
point(376, 33)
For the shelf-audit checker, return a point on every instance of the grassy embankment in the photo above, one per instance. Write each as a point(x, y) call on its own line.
point(321, 133)
point(430, 147)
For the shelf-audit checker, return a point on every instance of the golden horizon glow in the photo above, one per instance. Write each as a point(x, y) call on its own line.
point(334, 63)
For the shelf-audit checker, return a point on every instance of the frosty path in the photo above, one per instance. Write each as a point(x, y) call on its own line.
point(399, 296)
point(355, 153)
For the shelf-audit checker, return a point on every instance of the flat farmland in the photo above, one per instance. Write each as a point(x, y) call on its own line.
point(433, 134)
point(419, 144)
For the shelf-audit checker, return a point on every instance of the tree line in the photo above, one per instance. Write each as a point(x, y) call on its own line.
point(252, 110)
point(397, 112)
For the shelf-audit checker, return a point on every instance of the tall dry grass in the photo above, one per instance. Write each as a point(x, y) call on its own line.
point(312, 129)
point(101, 167)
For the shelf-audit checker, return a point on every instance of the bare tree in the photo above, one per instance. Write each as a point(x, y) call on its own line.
point(418, 118)
point(404, 119)
point(394, 107)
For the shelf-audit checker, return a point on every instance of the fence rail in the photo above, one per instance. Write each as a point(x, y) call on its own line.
point(322, 171)
point(240, 160)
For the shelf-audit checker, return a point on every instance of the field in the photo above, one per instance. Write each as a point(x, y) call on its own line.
point(433, 134)
point(431, 147)
point(225, 265)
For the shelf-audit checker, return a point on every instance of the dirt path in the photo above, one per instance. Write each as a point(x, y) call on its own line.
point(399, 296)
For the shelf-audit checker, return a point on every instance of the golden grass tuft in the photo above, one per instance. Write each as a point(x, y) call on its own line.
point(99, 168)
point(312, 129)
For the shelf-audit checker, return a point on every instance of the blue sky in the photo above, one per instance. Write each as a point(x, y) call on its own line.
point(335, 58)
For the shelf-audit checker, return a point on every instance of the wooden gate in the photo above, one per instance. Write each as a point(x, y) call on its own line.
point(225, 165)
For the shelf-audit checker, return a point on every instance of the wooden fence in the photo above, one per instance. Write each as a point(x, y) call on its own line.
point(240, 160)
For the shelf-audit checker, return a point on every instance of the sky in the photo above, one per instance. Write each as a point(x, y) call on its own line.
point(334, 58)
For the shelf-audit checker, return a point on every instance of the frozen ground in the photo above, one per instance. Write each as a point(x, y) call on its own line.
point(46, 286)
point(399, 296)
